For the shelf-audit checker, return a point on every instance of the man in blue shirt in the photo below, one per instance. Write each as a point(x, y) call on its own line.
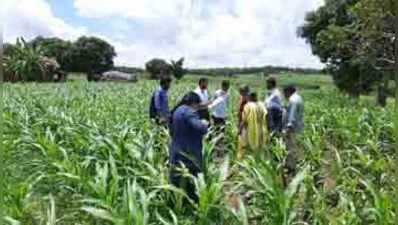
point(160, 102)
point(188, 131)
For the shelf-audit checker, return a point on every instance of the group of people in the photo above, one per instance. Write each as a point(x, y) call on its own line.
point(258, 123)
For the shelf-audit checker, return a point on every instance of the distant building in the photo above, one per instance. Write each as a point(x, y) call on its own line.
point(118, 76)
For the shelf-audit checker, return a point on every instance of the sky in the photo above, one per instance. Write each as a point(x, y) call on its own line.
point(208, 33)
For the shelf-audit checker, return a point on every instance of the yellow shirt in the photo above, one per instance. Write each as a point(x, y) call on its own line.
point(254, 118)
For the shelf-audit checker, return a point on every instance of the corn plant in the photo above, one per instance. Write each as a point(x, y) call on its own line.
point(85, 153)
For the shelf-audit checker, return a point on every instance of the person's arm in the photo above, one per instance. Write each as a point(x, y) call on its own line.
point(218, 100)
point(197, 124)
point(267, 99)
point(216, 95)
point(291, 117)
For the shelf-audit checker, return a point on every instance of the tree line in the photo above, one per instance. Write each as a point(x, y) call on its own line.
point(157, 66)
point(23, 61)
point(89, 55)
point(232, 71)
point(357, 40)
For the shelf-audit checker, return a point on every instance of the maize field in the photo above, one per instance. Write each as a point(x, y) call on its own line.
point(81, 153)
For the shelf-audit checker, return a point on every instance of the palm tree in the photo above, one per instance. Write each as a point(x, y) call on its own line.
point(27, 63)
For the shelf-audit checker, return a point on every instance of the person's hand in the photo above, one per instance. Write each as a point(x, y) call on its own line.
point(163, 120)
point(205, 122)
point(208, 103)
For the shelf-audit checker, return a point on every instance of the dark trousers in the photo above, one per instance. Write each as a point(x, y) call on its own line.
point(204, 114)
point(178, 179)
point(219, 129)
point(274, 120)
point(219, 123)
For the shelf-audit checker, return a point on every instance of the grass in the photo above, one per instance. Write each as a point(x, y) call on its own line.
point(85, 153)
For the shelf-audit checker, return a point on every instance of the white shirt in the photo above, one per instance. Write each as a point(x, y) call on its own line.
point(220, 104)
point(273, 99)
point(295, 113)
point(203, 94)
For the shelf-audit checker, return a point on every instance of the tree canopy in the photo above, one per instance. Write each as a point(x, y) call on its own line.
point(177, 68)
point(353, 38)
point(157, 68)
point(55, 48)
point(24, 62)
point(91, 55)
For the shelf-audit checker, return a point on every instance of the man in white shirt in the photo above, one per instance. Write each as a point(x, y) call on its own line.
point(201, 90)
point(294, 126)
point(218, 107)
point(219, 104)
point(273, 103)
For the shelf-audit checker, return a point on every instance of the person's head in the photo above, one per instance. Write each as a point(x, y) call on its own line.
point(225, 85)
point(192, 100)
point(244, 91)
point(203, 82)
point(271, 83)
point(253, 97)
point(289, 91)
point(163, 71)
point(165, 83)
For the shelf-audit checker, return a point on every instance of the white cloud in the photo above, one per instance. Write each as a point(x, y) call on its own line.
point(206, 32)
point(29, 18)
point(256, 32)
point(213, 32)
point(130, 8)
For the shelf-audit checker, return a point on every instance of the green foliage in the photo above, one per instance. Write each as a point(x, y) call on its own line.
point(79, 153)
point(55, 48)
point(23, 63)
point(8, 49)
point(332, 31)
point(89, 55)
point(92, 56)
point(157, 68)
point(177, 68)
point(376, 32)
point(231, 71)
point(356, 39)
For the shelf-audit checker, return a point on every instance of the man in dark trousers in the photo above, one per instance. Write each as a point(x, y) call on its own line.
point(186, 146)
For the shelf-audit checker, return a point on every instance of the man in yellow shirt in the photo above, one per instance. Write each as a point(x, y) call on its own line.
point(253, 132)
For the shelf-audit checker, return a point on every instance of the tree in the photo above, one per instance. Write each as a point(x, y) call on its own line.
point(376, 37)
point(24, 62)
point(92, 56)
point(177, 68)
point(55, 48)
point(332, 32)
point(356, 39)
point(395, 7)
point(8, 49)
point(157, 68)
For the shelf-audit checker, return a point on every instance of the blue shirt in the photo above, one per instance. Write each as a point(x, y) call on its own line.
point(162, 103)
point(187, 136)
